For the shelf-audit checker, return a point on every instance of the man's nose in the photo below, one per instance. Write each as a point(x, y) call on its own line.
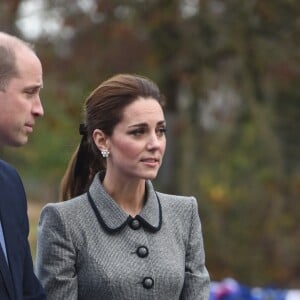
point(37, 108)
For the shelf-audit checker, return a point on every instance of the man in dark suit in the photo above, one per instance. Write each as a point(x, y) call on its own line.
point(20, 105)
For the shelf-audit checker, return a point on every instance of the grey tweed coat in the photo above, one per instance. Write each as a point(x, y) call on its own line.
point(89, 248)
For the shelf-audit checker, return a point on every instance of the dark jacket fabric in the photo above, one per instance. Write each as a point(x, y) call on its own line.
point(17, 279)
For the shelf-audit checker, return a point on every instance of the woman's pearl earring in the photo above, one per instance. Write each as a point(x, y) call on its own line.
point(105, 153)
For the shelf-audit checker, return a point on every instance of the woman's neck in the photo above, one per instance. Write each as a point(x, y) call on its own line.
point(130, 195)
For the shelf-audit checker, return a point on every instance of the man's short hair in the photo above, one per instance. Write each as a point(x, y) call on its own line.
point(8, 57)
point(8, 65)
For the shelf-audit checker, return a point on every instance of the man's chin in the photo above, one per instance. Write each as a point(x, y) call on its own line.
point(19, 142)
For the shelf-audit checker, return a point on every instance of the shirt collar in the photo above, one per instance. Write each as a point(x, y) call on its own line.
point(113, 219)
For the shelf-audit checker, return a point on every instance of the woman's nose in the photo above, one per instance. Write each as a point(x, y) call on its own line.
point(153, 142)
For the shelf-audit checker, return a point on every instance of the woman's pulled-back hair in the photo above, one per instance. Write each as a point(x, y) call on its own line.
point(103, 109)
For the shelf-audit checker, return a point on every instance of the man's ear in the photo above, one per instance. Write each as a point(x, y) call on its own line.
point(100, 139)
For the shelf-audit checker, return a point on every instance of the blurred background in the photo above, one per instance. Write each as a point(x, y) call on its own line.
point(230, 71)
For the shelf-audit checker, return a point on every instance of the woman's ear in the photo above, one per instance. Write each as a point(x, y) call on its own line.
point(100, 139)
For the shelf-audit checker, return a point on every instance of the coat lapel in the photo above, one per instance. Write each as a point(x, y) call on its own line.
point(6, 274)
point(113, 219)
point(4, 267)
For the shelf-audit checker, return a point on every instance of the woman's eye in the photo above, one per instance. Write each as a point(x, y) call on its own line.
point(162, 131)
point(137, 132)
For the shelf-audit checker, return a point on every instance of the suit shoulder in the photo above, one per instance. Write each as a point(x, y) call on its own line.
point(67, 207)
point(6, 168)
point(65, 216)
point(10, 180)
point(4, 164)
point(177, 200)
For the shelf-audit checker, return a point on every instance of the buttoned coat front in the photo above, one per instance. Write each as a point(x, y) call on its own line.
point(89, 248)
point(17, 280)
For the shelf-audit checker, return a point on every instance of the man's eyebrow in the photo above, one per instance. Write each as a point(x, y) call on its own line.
point(33, 87)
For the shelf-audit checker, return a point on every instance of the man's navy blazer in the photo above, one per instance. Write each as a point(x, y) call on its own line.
point(17, 279)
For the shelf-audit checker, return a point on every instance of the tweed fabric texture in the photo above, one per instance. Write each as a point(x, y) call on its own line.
point(80, 258)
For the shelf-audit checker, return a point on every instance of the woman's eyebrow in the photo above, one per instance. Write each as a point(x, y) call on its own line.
point(138, 125)
point(143, 124)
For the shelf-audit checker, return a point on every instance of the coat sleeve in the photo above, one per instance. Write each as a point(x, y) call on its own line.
point(196, 280)
point(56, 256)
point(31, 287)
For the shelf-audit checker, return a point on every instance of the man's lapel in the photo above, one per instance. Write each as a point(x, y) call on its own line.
point(5, 267)
point(6, 275)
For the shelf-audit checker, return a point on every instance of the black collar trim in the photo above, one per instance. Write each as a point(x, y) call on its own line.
point(145, 224)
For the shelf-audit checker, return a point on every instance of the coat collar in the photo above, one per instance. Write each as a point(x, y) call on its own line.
point(113, 219)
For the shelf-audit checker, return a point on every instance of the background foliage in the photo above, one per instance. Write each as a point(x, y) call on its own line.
point(229, 70)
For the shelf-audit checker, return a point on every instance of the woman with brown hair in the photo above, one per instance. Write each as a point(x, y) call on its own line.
point(117, 238)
